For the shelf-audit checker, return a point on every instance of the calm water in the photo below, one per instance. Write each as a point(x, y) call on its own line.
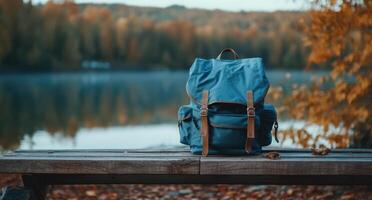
point(100, 110)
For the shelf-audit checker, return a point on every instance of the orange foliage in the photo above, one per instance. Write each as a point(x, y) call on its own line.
point(62, 35)
point(339, 35)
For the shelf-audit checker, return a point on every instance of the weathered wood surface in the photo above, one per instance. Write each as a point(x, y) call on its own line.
point(286, 166)
point(98, 162)
point(58, 179)
point(346, 162)
point(296, 166)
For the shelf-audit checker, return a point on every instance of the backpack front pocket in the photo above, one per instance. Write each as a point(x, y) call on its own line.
point(229, 131)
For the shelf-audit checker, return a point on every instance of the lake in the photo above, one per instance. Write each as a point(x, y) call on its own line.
point(102, 109)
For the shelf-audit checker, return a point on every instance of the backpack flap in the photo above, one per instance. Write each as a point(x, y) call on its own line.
point(227, 80)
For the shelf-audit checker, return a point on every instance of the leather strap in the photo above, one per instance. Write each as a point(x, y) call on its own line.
point(250, 122)
point(236, 56)
point(204, 122)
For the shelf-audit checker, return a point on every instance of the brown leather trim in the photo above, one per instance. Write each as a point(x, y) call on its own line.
point(250, 122)
point(204, 122)
point(236, 56)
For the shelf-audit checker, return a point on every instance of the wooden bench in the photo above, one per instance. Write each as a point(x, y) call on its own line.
point(40, 168)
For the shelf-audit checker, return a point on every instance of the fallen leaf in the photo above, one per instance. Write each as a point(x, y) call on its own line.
point(90, 193)
point(347, 197)
point(322, 150)
point(273, 155)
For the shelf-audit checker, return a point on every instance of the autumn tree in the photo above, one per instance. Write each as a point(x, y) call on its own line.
point(60, 35)
point(340, 35)
point(17, 34)
point(8, 22)
point(59, 32)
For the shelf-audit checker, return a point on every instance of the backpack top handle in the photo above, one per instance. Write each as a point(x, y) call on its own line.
point(236, 56)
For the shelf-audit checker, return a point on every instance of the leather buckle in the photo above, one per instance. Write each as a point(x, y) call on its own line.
point(250, 112)
point(204, 112)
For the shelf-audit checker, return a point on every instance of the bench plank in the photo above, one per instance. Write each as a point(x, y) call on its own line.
point(58, 179)
point(41, 168)
point(97, 154)
point(265, 149)
point(175, 165)
point(344, 155)
point(292, 150)
point(286, 166)
point(100, 165)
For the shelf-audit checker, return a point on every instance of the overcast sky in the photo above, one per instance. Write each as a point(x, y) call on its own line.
point(230, 5)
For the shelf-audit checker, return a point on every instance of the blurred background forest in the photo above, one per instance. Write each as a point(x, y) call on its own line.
point(69, 36)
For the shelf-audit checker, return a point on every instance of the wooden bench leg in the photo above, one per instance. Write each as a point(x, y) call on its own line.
point(36, 185)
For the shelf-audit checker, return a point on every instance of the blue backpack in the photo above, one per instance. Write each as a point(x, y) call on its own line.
point(227, 113)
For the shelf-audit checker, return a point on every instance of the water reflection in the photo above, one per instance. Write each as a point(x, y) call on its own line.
point(65, 105)
point(128, 137)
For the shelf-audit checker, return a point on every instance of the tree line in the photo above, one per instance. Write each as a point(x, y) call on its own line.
point(61, 36)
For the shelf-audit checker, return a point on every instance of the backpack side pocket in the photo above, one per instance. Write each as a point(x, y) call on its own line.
point(268, 118)
point(184, 124)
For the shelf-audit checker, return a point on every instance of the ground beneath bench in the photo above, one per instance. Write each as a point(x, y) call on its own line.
point(135, 192)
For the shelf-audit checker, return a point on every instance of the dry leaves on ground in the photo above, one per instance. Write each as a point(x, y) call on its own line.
point(273, 155)
point(322, 150)
point(210, 192)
